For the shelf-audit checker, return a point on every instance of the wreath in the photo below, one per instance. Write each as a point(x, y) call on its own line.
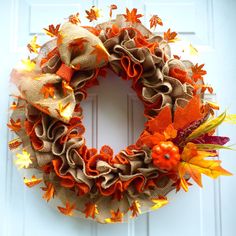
point(178, 143)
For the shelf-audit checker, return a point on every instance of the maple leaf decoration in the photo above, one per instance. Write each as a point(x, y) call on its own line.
point(14, 125)
point(14, 106)
point(64, 110)
point(74, 19)
point(159, 202)
point(132, 16)
point(198, 72)
point(49, 191)
point(112, 8)
point(32, 182)
point(90, 210)
point(100, 52)
point(154, 21)
point(77, 45)
point(48, 90)
point(135, 209)
point(68, 209)
point(194, 164)
point(170, 36)
point(52, 31)
point(33, 46)
point(93, 14)
point(15, 143)
point(116, 216)
point(23, 159)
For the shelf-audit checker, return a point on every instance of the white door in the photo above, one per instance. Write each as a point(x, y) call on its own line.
point(210, 26)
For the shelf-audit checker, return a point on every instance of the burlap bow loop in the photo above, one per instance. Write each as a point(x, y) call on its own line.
point(79, 50)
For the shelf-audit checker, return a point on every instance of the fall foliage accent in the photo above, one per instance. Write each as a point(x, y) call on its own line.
point(170, 36)
point(154, 21)
point(90, 210)
point(132, 16)
point(49, 191)
point(32, 182)
point(112, 8)
point(68, 209)
point(52, 30)
point(33, 46)
point(116, 216)
point(48, 90)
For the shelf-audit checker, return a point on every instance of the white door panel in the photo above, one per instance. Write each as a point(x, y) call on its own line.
point(113, 116)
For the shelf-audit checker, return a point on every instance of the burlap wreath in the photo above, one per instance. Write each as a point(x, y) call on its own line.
point(47, 118)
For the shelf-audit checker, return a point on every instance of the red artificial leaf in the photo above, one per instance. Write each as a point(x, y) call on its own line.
point(116, 216)
point(14, 125)
point(49, 191)
point(52, 31)
point(112, 7)
point(100, 53)
point(170, 36)
point(74, 19)
point(198, 72)
point(68, 209)
point(154, 21)
point(132, 16)
point(135, 209)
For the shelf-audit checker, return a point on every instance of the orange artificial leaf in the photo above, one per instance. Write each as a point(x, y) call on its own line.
point(154, 21)
point(32, 182)
point(33, 46)
point(49, 191)
point(190, 113)
point(170, 36)
point(14, 125)
point(74, 19)
point(15, 143)
point(101, 53)
point(48, 90)
point(93, 14)
point(14, 106)
point(112, 7)
point(170, 132)
point(64, 111)
point(161, 121)
point(66, 87)
point(77, 45)
point(194, 164)
point(116, 216)
point(132, 16)
point(68, 209)
point(52, 31)
point(198, 72)
point(90, 210)
point(135, 209)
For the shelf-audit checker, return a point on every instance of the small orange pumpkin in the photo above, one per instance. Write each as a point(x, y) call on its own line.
point(165, 155)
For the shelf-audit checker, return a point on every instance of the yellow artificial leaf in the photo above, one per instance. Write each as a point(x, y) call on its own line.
point(66, 87)
point(116, 216)
point(93, 14)
point(135, 209)
point(159, 202)
point(33, 46)
point(64, 111)
point(192, 50)
point(207, 127)
point(68, 209)
point(26, 65)
point(194, 163)
point(23, 160)
point(32, 182)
